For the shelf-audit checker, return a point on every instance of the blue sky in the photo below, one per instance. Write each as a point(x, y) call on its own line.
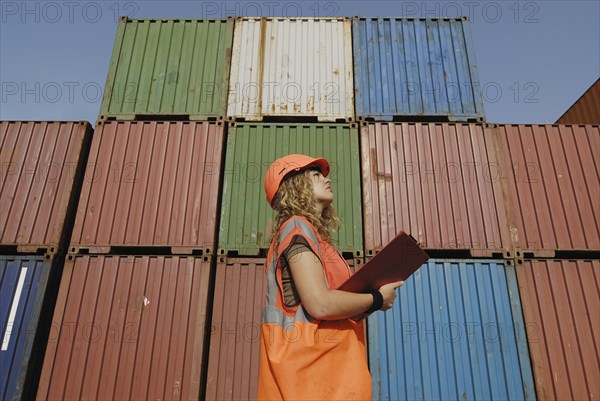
point(535, 58)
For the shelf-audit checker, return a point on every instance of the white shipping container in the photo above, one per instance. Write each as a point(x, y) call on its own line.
point(292, 67)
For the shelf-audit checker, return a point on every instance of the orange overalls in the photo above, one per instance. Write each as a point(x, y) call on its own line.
point(302, 358)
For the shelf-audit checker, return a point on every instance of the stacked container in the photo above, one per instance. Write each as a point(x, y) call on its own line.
point(165, 276)
point(553, 180)
point(133, 307)
point(42, 169)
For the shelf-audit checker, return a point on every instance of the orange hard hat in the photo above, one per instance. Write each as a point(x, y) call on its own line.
point(288, 164)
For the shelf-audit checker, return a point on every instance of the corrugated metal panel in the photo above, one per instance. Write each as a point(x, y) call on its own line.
point(42, 167)
point(251, 148)
point(23, 283)
point(586, 110)
point(435, 181)
point(292, 67)
point(166, 67)
point(415, 67)
point(553, 177)
point(561, 302)
point(456, 333)
point(240, 288)
point(151, 184)
point(127, 328)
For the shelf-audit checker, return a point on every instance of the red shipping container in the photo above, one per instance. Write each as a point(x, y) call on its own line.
point(42, 164)
point(437, 182)
point(127, 328)
point(151, 184)
point(561, 300)
point(552, 175)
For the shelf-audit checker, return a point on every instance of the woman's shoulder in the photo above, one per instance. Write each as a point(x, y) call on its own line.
point(301, 224)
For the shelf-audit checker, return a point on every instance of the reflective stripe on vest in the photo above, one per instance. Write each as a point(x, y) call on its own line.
point(271, 313)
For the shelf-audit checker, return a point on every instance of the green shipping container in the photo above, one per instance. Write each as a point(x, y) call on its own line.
point(169, 68)
point(246, 217)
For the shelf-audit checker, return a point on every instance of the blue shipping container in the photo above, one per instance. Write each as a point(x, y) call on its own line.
point(23, 282)
point(456, 333)
point(416, 68)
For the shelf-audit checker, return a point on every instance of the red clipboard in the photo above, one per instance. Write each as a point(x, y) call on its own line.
point(396, 261)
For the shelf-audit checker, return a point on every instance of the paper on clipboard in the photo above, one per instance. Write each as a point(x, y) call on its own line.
point(400, 258)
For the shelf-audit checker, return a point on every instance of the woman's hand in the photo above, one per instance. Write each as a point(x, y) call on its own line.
point(389, 294)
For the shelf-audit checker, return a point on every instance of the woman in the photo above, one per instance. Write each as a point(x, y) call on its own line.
point(312, 340)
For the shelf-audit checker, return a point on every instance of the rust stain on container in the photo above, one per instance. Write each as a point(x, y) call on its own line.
point(240, 289)
point(151, 184)
point(552, 173)
point(586, 110)
point(127, 328)
point(561, 300)
point(41, 167)
point(435, 181)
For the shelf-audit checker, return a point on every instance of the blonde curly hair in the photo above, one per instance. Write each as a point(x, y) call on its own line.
point(295, 197)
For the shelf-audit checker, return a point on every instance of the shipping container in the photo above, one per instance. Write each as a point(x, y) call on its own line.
point(586, 110)
point(437, 182)
point(561, 300)
point(127, 328)
point(456, 332)
point(415, 68)
point(169, 67)
point(23, 287)
point(42, 165)
point(246, 217)
point(291, 67)
point(552, 173)
point(240, 289)
point(150, 184)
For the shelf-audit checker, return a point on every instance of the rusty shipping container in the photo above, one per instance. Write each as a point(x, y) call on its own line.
point(586, 110)
point(240, 289)
point(176, 67)
point(436, 182)
point(246, 217)
point(150, 184)
point(292, 67)
point(552, 174)
point(127, 328)
point(561, 300)
point(415, 68)
point(42, 165)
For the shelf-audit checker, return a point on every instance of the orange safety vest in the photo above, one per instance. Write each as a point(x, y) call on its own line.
point(302, 358)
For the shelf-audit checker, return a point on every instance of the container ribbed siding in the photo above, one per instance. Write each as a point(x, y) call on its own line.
point(240, 288)
point(42, 164)
point(456, 332)
point(233, 364)
point(423, 68)
point(586, 109)
point(552, 173)
point(23, 284)
point(151, 184)
point(169, 67)
point(247, 218)
point(127, 328)
point(294, 67)
point(436, 182)
point(561, 301)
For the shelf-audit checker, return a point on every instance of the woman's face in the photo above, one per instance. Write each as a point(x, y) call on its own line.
point(321, 189)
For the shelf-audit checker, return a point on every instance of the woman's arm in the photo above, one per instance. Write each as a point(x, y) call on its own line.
point(325, 304)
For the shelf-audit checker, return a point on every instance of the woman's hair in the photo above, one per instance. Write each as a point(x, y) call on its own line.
point(295, 197)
